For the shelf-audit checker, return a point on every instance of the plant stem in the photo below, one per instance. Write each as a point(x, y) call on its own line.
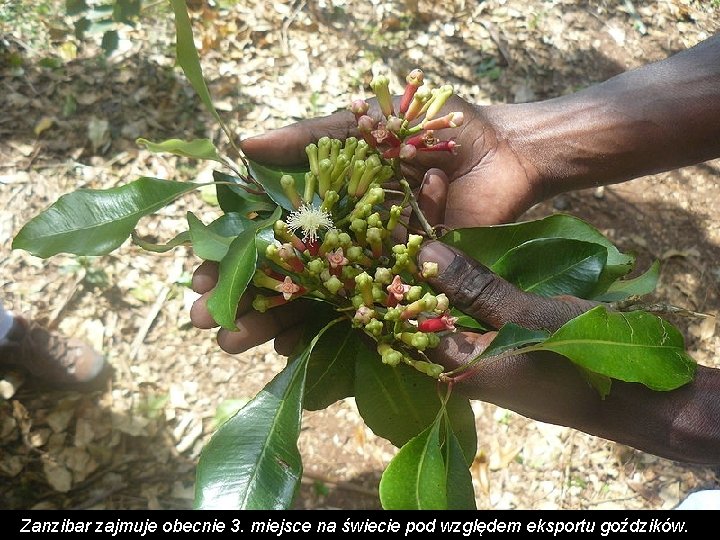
point(416, 208)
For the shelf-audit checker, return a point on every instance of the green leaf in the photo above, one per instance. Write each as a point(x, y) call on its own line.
point(601, 383)
point(207, 244)
point(632, 347)
point(180, 238)
point(460, 492)
point(252, 461)
point(415, 478)
point(236, 270)
point(331, 371)
point(195, 149)
point(643, 284)
point(95, 222)
point(233, 198)
point(553, 266)
point(269, 177)
point(466, 321)
point(188, 59)
point(489, 244)
point(511, 336)
point(397, 403)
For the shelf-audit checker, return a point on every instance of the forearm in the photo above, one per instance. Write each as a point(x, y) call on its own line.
point(683, 424)
point(660, 117)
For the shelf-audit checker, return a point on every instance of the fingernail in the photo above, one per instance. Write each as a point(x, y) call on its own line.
point(437, 252)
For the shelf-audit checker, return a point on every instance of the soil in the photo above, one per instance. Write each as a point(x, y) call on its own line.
point(70, 120)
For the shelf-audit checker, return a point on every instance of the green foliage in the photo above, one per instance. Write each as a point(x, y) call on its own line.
point(95, 222)
point(252, 461)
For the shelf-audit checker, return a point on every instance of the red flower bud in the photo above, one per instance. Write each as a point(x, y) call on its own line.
point(443, 146)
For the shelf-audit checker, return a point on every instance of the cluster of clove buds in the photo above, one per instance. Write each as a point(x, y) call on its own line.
point(339, 243)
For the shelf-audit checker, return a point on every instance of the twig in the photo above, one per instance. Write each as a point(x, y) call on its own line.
point(416, 208)
point(633, 304)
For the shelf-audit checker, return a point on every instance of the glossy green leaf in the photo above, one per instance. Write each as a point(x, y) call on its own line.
point(233, 198)
point(207, 244)
point(466, 321)
point(460, 492)
point(178, 240)
point(632, 347)
point(511, 336)
point(397, 403)
point(95, 222)
point(196, 149)
point(187, 56)
point(236, 271)
point(553, 266)
point(230, 224)
point(643, 284)
point(601, 383)
point(269, 177)
point(489, 244)
point(415, 478)
point(331, 370)
point(252, 461)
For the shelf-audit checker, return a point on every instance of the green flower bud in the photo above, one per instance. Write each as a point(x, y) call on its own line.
point(383, 275)
point(335, 145)
point(361, 150)
point(349, 148)
point(430, 302)
point(429, 269)
point(337, 176)
point(261, 279)
point(326, 167)
point(381, 87)
point(388, 355)
point(333, 284)
point(331, 240)
point(363, 284)
point(442, 302)
point(344, 240)
point(315, 266)
point(413, 244)
point(310, 185)
point(393, 314)
point(359, 226)
point(414, 293)
point(378, 294)
point(399, 249)
point(354, 253)
point(323, 149)
point(357, 301)
point(374, 220)
point(433, 340)
point(358, 169)
point(428, 368)
point(312, 153)
point(349, 272)
point(419, 340)
point(395, 213)
point(440, 96)
point(287, 183)
point(385, 173)
point(374, 328)
point(331, 198)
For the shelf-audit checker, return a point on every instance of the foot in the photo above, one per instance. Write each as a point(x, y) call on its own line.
point(55, 360)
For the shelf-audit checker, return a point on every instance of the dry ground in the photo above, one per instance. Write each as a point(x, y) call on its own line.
point(134, 444)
